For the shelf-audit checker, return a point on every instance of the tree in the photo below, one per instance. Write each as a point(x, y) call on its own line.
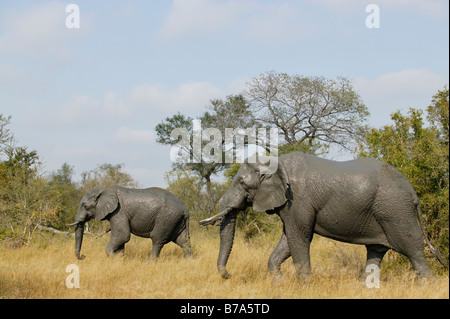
point(233, 112)
point(438, 116)
point(21, 164)
point(25, 201)
point(188, 187)
point(421, 153)
point(164, 131)
point(29, 200)
point(308, 109)
point(67, 194)
point(107, 175)
point(62, 176)
point(6, 137)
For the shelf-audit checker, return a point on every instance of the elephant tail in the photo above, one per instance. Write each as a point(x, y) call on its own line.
point(186, 218)
point(184, 225)
point(436, 253)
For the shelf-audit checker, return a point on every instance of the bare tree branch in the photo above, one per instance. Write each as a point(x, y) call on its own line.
point(308, 108)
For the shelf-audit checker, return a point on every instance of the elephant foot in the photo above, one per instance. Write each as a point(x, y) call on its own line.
point(115, 253)
point(305, 279)
point(422, 281)
point(188, 255)
point(303, 273)
point(275, 272)
point(278, 279)
point(152, 259)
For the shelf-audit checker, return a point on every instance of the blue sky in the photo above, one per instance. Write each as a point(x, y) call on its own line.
point(93, 95)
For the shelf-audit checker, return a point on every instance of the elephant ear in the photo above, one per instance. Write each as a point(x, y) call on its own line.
point(273, 192)
point(107, 203)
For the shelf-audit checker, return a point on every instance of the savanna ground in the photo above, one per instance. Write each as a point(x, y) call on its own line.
point(39, 271)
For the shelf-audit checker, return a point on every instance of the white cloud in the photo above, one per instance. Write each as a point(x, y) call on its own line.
point(201, 16)
point(155, 100)
point(77, 110)
point(39, 32)
point(277, 22)
point(86, 110)
point(398, 90)
point(12, 76)
point(187, 97)
point(147, 177)
point(17, 79)
point(143, 101)
point(404, 82)
point(80, 110)
point(114, 105)
point(127, 135)
point(252, 19)
point(273, 23)
point(72, 153)
point(435, 8)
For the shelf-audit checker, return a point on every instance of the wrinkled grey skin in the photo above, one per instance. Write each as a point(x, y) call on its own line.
point(362, 201)
point(151, 213)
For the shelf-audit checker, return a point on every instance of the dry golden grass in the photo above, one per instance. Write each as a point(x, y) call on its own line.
point(39, 271)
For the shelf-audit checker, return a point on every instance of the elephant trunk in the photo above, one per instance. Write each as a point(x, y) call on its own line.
point(227, 229)
point(231, 203)
point(79, 230)
point(80, 219)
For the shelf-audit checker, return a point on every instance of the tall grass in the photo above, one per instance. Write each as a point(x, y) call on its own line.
point(39, 271)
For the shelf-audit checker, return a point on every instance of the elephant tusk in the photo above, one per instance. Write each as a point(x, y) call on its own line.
point(73, 224)
point(212, 220)
point(207, 221)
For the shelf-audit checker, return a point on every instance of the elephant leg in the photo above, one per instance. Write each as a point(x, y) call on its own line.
point(404, 235)
point(409, 242)
point(299, 248)
point(420, 264)
point(120, 235)
point(299, 230)
point(279, 255)
point(156, 249)
point(116, 244)
point(183, 241)
point(160, 236)
point(375, 254)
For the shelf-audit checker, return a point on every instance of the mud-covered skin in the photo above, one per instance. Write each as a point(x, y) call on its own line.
point(152, 213)
point(362, 201)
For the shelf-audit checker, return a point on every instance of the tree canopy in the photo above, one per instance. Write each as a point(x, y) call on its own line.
point(29, 198)
point(233, 112)
point(308, 108)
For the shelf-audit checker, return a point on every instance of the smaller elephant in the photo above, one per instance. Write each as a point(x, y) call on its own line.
point(151, 213)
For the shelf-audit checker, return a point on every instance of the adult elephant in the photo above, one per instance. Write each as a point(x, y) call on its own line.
point(362, 201)
point(152, 213)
